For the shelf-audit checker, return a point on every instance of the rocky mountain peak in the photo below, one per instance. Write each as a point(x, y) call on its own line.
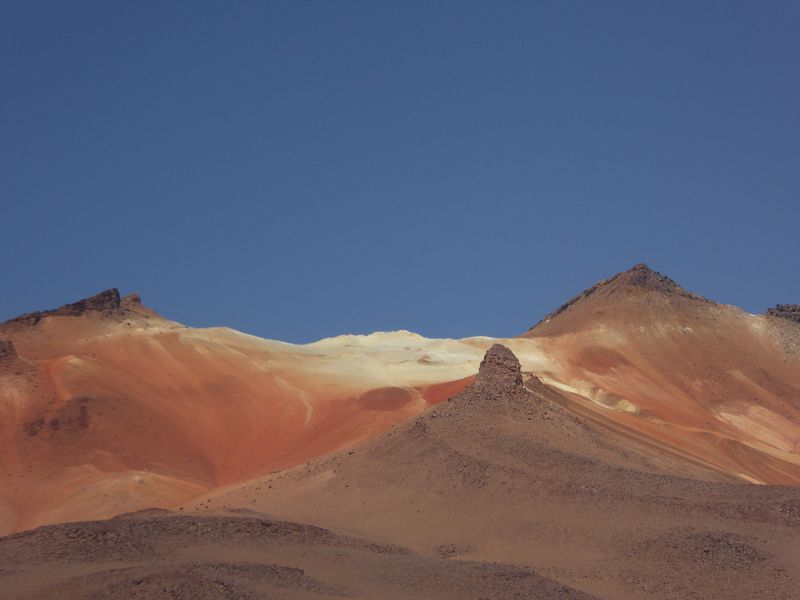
point(106, 301)
point(640, 275)
point(639, 278)
point(500, 368)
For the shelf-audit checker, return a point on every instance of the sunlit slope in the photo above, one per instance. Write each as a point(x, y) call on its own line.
point(104, 413)
point(711, 380)
point(105, 407)
point(506, 472)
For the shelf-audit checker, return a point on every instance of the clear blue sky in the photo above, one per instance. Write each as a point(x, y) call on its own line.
point(304, 169)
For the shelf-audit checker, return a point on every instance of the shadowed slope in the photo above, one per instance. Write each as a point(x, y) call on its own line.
point(244, 555)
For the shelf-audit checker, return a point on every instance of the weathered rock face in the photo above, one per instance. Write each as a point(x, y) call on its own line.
point(499, 377)
point(106, 301)
point(786, 311)
point(500, 368)
point(7, 352)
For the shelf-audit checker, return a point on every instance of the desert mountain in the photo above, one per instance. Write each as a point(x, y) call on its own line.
point(716, 382)
point(613, 445)
point(105, 407)
point(506, 472)
point(499, 492)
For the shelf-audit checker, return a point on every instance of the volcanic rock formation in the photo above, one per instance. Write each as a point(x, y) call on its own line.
point(499, 373)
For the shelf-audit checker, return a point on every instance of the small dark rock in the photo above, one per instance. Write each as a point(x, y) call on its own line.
point(786, 311)
point(8, 353)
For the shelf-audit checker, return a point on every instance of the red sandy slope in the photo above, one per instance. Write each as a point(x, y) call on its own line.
point(106, 407)
point(115, 410)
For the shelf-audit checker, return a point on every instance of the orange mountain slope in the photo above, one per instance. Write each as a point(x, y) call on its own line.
point(109, 408)
point(717, 383)
point(105, 407)
point(506, 473)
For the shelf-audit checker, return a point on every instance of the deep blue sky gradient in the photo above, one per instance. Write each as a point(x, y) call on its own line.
point(303, 169)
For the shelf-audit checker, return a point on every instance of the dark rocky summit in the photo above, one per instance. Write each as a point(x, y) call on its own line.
point(639, 277)
point(107, 302)
point(500, 368)
point(786, 311)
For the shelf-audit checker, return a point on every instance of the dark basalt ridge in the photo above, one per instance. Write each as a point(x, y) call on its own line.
point(107, 302)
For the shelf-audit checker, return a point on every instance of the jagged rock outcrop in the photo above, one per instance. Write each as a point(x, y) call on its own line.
point(500, 368)
point(786, 311)
point(499, 375)
point(106, 301)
